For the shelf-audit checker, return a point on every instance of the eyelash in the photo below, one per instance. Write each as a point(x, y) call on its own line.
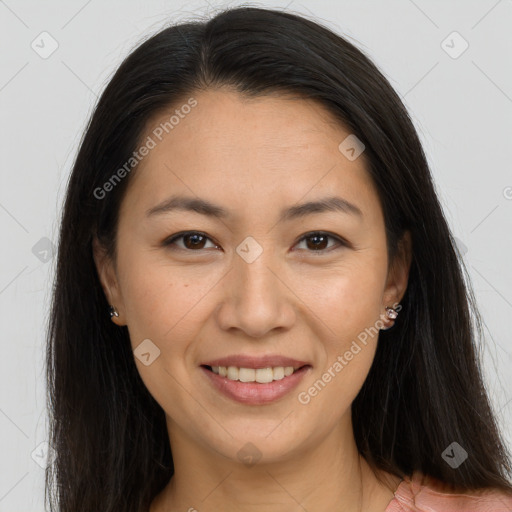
point(170, 241)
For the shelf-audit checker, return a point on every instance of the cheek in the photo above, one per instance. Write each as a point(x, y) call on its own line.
point(347, 299)
point(162, 302)
point(347, 305)
point(163, 305)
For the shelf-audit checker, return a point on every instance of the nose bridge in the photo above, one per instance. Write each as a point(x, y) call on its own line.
point(253, 262)
point(257, 284)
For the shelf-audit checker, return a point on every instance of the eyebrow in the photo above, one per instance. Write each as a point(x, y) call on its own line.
point(204, 207)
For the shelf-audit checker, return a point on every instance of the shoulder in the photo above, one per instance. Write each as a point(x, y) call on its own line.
point(421, 493)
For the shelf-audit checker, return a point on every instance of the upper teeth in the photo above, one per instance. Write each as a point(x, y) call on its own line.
point(261, 375)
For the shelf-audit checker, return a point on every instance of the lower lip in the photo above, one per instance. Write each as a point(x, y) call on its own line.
point(254, 393)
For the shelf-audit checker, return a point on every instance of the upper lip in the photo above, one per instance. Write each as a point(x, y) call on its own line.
point(246, 361)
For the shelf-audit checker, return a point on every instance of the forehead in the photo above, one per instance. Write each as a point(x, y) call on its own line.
point(252, 152)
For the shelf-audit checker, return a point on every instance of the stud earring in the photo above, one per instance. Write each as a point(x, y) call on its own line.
point(113, 312)
point(391, 313)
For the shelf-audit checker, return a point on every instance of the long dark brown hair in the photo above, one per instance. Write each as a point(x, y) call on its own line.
point(425, 388)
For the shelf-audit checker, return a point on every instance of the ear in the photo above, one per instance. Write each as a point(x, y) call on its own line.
point(398, 275)
point(108, 278)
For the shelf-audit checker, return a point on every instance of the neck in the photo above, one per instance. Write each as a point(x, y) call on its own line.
point(327, 475)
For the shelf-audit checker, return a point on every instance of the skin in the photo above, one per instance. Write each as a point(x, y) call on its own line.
point(255, 157)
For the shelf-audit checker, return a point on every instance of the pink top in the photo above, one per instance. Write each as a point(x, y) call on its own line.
point(425, 494)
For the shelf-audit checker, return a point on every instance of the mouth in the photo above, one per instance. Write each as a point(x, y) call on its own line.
point(254, 386)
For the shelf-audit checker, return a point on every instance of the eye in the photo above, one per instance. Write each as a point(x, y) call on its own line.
point(319, 241)
point(192, 240)
point(195, 240)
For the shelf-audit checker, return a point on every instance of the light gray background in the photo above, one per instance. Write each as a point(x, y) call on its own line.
point(462, 108)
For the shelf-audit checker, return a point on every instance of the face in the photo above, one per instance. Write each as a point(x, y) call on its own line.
point(265, 277)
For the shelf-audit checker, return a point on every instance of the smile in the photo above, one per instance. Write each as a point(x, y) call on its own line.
point(254, 386)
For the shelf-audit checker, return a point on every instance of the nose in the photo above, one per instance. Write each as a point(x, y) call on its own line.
point(256, 298)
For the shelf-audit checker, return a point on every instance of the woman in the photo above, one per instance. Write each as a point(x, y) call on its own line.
point(258, 301)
